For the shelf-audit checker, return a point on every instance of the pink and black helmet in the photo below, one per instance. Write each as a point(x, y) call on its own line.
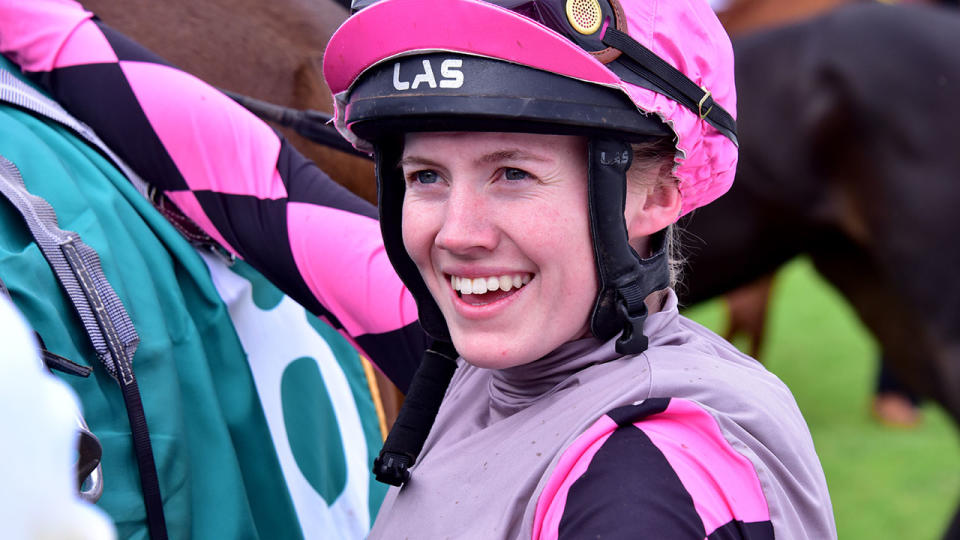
point(616, 72)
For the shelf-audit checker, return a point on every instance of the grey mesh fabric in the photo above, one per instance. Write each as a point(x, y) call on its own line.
point(500, 433)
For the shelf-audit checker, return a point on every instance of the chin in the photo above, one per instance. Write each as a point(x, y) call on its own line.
point(488, 356)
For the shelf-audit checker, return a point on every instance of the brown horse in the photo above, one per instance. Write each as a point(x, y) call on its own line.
point(742, 16)
point(273, 52)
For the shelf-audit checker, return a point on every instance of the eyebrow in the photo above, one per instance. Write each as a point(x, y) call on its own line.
point(410, 161)
point(511, 155)
point(492, 157)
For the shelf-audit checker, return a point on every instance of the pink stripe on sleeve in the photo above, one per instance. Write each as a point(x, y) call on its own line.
point(347, 268)
point(723, 483)
point(36, 34)
point(216, 144)
point(572, 465)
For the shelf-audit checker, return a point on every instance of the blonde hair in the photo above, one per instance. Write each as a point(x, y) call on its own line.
point(653, 164)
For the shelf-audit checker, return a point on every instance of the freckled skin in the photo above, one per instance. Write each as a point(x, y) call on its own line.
point(480, 204)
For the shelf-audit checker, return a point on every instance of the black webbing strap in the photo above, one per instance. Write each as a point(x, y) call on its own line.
point(669, 81)
point(107, 324)
point(417, 414)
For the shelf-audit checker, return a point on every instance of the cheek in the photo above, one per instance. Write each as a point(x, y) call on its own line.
point(421, 222)
point(415, 231)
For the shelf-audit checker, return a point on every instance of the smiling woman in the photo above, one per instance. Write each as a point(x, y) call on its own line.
point(484, 209)
point(527, 199)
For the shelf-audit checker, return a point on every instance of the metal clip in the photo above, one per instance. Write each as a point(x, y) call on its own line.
point(706, 96)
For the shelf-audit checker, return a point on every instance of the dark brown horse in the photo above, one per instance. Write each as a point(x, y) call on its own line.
point(747, 305)
point(850, 152)
point(849, 137)
point(832, 163)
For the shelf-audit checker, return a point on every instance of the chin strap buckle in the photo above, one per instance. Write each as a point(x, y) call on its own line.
point(633, 313)
point(392, 468)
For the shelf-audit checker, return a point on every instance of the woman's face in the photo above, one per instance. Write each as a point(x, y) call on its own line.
point(497, 224)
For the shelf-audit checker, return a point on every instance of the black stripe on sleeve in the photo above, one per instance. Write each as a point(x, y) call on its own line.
point(628, 414)
point(738, 530)
point(100, 96)
point(257, 229)
point(307, 183)
point(127, 49)
point(629, 491)
point(397, 353)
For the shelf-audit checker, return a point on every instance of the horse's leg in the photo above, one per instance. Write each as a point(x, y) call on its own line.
point(920, 357)
point(747, 312)
point(953, 531)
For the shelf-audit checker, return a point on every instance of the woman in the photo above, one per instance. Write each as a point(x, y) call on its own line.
point(531, 162)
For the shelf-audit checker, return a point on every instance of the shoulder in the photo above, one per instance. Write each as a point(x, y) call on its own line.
point(662, 466)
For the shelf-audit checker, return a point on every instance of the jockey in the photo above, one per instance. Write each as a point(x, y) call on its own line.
point(532, 158)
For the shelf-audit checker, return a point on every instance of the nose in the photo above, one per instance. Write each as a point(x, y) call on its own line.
point(468, 226)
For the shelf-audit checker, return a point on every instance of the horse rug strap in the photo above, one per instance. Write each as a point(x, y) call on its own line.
point(77, 267)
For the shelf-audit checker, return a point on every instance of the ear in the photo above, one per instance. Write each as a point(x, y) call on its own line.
point(650, 208)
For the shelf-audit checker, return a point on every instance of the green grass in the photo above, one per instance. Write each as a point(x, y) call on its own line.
point(884, 482)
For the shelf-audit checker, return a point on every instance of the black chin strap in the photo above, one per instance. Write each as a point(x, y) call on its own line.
point(417, 414)
point(625, 278)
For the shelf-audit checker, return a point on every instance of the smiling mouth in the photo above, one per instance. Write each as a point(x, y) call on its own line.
point(486, 290)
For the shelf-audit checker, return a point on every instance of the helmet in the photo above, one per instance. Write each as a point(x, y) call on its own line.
point(614, 73)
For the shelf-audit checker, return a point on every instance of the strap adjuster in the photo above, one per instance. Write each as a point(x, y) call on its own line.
point(706, 96)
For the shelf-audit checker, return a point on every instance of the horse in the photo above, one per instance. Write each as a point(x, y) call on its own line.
point(747, 305)
point(848, 153)
point(273, 53)
point(740, 16)
point(831, 166)
point(803, 190)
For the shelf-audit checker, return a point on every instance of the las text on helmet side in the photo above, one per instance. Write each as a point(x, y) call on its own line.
point(450, 75)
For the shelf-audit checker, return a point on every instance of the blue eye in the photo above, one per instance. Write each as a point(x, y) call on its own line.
point(426, 177)
point(515, 174)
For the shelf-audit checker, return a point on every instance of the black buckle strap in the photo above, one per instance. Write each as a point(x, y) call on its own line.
point(417, 414)
point(669, 81)
point(653, 275)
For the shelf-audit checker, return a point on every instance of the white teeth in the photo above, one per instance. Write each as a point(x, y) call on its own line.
point(479, 286)
point(489, 284)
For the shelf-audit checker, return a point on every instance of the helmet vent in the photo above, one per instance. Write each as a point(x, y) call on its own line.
point(585, 16)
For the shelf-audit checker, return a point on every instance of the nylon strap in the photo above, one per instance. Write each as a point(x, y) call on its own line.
point(77, 267)
point(417, 414)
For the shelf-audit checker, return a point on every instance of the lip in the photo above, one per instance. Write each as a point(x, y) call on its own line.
point(485, 311)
